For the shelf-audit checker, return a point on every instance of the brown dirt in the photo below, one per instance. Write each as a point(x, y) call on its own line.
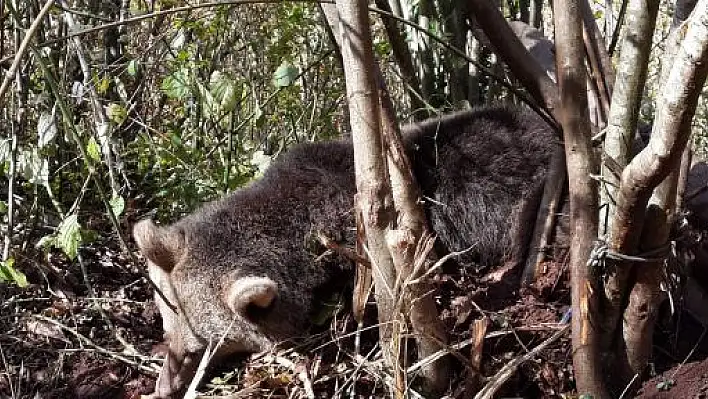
point(687, 381)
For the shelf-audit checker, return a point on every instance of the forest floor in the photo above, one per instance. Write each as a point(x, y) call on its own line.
point(61, 339)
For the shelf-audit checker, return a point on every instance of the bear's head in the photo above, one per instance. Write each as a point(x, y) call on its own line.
point(215, 296)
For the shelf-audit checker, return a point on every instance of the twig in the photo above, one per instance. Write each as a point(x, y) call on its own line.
point(23, 48)
point(7, 375)
point(98, 348)
point(618, 27)
point(629, 385)
point(374, 368)
point(437, 355)
point(479, 330)
point(201, 369)
point(437, 265)
point(359, 364)
point(344, 251)
point(343, 336)
point(698, 342)
point(209, 353)
point(101, 124)
point(155, 14)
point(10, 197)
point(508, 370)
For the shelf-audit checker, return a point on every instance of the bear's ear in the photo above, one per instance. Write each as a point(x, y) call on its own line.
point(246, 296)
point(161, 246)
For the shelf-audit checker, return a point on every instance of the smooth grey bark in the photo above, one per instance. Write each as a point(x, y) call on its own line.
point(626, 99)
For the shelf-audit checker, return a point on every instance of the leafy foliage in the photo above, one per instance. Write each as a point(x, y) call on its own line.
point(8, 273)
point(169, 115)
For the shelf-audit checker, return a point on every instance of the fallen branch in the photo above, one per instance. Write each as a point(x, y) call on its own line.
point(488, 391)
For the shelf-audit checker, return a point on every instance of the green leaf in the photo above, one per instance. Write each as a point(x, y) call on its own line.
point(116, 113)
point(133, 68)
point(46, 129)
point(209, 105)
point(117, 204)
point(33, 167)
point(5, 150)
point(223, 380)
point(175, 139)
point(103, 85)
point(93, 150)
point(3, 207)
point(665, 385)
point(88, 236)
point(47, 241)
point(327, 308)
point(4, 275)
point(69, 236)
point(224, 91)
point(285, 75)
point(177, 84)
point(10, 274)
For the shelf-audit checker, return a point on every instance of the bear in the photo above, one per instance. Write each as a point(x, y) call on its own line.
point(244, 271)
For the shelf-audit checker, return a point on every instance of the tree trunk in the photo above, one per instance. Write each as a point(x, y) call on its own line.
point(597, 73)
point(626, 98)
point(474, 89)
point(406, 243)
point(536, 17)
point(426, 58)
point(403, 234)
point(676, 106)
point(603, 56)
point(403, 57)
point(620, 133)
point(456, 71)
point(551, 205)
point(373, 191)
point(583, 196)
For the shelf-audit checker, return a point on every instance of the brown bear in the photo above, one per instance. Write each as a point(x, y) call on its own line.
point(242, 270)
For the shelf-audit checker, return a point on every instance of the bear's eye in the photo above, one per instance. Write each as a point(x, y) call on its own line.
point(256, 313)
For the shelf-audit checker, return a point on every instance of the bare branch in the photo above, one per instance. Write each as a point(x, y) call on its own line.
point(510, 49)
point(676, 107)
point(22, 49)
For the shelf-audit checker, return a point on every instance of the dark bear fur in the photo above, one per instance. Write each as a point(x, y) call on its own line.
point(481, 173)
